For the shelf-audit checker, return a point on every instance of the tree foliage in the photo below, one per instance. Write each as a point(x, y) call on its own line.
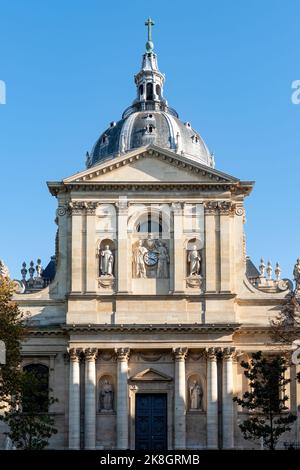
point(12, 331)
point(266, 399)
point(30, 425)
point(21, 390)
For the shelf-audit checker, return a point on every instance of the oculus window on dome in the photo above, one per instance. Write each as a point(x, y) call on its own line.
point(166, 131)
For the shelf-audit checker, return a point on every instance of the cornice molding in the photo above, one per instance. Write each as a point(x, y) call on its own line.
point(216, 180)
point(153, 328)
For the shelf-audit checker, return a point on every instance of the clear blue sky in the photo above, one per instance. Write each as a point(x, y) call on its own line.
point(69, 66)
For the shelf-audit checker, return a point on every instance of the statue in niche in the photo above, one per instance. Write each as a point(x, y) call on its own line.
point(106, 396)
point(196, 396)
point(139, 262)
point(163, 260)
point(194, 260)
point(106, 262)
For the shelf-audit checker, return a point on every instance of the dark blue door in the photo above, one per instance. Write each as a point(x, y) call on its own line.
point(151, 421)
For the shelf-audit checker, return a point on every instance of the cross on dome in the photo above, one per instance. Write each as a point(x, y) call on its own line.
point(149, 44)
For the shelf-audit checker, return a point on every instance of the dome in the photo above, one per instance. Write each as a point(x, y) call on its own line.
point(149, 121)
point(142, 128)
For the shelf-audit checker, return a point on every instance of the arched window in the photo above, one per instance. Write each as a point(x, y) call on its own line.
point(141, 89)
point(158, 90)
point(149, 91)
point(35, 396)
point(150, 225)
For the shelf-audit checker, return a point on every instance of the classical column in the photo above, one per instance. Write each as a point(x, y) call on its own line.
point(179, 261)
point(180, 398)
point(122, 216)
point(122, 398)
point(227, 403)
point(90, 399)
point(74, 399)
point(212, 399)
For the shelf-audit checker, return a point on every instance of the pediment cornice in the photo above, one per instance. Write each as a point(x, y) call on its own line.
point(209, 179)
point(152, 375)
point(171, 158)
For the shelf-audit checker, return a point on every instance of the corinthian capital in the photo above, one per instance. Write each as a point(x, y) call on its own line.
point(74, 354)
point(228, 353)
point(122, 354)
point(90, 354)
point(180, 353)
point(212, 353)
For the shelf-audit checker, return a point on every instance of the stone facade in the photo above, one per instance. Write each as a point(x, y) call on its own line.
point(150, 296)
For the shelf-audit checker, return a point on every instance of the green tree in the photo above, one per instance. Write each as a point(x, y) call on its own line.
point(24, 396)
point(30, 425)
point(12, 331)
point(266, 399)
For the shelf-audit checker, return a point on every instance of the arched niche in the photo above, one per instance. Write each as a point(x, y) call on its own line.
point(195, 393)
point(106, 394)
point(150, 219)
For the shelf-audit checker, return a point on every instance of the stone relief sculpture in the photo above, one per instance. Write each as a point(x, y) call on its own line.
point(106, 396)
point(196, 396)
point(163, 260)
point(139, 262)
point(151, 259)
point(194, 261)
point(106, 262)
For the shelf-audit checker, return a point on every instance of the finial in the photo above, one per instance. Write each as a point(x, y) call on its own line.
point(269, 270)
point(262, 267)
point(24, 271)
point(277, 272)
point(149, 44)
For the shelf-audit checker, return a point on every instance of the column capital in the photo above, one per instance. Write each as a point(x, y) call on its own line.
point(228, 353)
point(122, 354)
point(211, 353)
point(91, 207)
point(90, 354)
point(74, 354)
point(122, 206)
point(180, 353)
point(219, 207)
point(211, 207)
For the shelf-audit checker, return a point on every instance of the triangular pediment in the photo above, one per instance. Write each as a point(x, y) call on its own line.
point(151, 164)
point(151, 375)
